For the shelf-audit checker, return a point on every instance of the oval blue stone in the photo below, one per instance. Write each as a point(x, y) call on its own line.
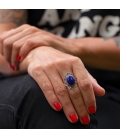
point(70, 79)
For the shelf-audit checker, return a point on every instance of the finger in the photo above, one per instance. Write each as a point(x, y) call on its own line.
point(84, 85)
point(10, 33)
point(7, 53)
point(61, 92)
point(7, 41)
point(17, 42)
point(15, 58)
point(76, 97)
point(1, 42)
point(98, 90)
point(13, 41)
point(32, 41)
point(29, 45)
point(44, 83)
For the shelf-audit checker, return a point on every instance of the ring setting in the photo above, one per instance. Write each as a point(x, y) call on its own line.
point(70, 81)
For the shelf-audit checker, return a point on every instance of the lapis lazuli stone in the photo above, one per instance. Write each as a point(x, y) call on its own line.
point(70, 79)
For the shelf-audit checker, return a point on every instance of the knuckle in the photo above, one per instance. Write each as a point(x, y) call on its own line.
point(37, 70)
point(3, 35)
point(61, 91)
point(30, 29)
point(48, 39)
point(33, 29)
point(29, 42)
point(25, 25)
point(46, 86)
point(51, 98)
point(85, 84)
point(15, 46)
point(6, 43)
point(75, 94)
point(48, 66)
point(75, 60)
point(62, 63)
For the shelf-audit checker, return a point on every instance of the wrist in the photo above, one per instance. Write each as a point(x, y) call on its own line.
point(75, 47)
point(26, 62)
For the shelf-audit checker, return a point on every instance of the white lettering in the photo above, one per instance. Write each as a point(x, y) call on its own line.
point(85, 10)
point(86, 24)
point(71, 14)
point(50, 16)
point(109, 30)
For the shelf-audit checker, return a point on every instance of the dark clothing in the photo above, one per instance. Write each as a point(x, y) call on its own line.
point(22, 103)
point(89, 23)
point(81, 23)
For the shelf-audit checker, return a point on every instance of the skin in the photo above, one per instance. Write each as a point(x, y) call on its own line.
point(14, 16)
point(20, 41)
point(43, 69)
point(34, 60)
point(40, 68)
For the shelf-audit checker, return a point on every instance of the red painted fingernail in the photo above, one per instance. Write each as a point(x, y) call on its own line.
point(73, 118)
point(85, 120)
point(12, 67)
point(57, 106)
point(91, 109)
point(18, 58)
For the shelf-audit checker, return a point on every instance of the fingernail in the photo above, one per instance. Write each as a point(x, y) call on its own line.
point(73, 118)
point(18, 58)
point(85, 120)
point(57, 106)
point(12, 67)
point(91, 109)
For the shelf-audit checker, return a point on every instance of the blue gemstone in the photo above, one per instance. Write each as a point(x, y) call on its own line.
point(70, 79)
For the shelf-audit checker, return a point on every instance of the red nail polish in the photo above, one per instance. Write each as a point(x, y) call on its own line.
point(91, 109)
point(73, 118)
point(18, 58)
point(12, 67)
point(85, 120)
point(57, 106)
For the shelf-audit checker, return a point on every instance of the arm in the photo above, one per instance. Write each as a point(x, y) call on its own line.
point(10, 19)
point(94, 52)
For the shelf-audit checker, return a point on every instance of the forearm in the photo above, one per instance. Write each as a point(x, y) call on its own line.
point(10, 19)
point(101, 53)
point(94, 52)
point(15, 17)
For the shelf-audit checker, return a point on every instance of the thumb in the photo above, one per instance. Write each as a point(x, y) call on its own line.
point(98, 90)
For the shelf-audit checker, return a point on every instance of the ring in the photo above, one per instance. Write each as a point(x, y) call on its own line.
point(70, 81)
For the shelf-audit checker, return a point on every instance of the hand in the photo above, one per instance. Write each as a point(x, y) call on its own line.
point(48, 67)
point(17, 43)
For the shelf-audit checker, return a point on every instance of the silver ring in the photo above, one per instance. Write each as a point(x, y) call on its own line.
point(70, 81)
